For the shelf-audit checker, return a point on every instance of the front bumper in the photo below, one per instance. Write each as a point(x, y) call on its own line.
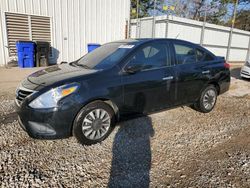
point(245, 72)
point(52, 123)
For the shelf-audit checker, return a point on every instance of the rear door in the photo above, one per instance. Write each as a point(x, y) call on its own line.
point(192, 73)
point(150, 88)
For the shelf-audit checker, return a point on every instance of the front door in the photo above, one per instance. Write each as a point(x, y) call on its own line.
point(151, 86)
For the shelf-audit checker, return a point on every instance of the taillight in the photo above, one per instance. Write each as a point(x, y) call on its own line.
point(226, 65)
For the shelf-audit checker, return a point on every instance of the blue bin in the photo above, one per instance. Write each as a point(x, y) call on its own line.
point(25, 54)
point(92, 46)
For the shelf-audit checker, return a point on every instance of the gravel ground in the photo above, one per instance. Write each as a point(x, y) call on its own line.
point(174, 148)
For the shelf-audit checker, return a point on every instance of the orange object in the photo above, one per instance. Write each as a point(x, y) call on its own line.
point(68, 91)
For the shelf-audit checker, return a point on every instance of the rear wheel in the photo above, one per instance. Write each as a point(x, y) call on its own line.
point(207, 100)
point(94, 123)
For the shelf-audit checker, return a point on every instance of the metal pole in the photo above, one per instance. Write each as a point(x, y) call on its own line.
point(129, 28)
point(137, 16)
point(231, 30)
point(153, 25)
point(2, 35)
point(167, 21)
point(203, 27)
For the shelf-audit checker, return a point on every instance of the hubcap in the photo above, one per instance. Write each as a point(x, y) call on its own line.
point(209, 99)
point(96, 124)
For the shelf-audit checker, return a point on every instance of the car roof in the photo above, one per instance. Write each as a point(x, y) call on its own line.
point(138, 41)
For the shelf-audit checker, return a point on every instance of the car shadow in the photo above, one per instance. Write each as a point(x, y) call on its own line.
point(131, 160)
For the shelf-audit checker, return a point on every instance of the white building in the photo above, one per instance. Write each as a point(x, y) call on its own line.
point(69, 25)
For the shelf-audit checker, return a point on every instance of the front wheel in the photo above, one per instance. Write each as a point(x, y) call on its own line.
point(94, 123)
point(207, 100)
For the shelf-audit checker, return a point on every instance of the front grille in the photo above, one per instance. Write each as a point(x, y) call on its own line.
point(244, 72)
point(22, 93)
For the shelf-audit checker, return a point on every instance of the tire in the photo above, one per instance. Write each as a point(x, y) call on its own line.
point(207, 100)
point(90, 119)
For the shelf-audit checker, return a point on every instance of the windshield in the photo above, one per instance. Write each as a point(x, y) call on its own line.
point(105, 56)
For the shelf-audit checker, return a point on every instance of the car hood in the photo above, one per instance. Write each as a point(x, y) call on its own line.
point(56, 73)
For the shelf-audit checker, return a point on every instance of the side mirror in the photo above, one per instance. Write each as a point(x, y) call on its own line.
point(132, 69)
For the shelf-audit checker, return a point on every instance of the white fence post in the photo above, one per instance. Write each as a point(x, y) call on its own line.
point(166, 31)
point(137, 28)
point(153, 27)
point(202, 32)
point(231, 31)
point(139, 25)
point(229, 44)
point(248, 51)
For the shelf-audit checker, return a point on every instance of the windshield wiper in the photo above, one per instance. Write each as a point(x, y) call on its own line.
point(80, 65)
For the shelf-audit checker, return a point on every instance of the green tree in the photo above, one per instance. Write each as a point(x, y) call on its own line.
point(242, 20)
point(146, 8)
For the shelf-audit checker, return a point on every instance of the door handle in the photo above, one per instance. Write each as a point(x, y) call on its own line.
point(205, 72)
point(168, 78)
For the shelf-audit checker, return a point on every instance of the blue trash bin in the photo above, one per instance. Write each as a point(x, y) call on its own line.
point(92, 46)
point(25, 53)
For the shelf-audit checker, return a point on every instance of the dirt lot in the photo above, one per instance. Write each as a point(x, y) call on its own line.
point(175, 148)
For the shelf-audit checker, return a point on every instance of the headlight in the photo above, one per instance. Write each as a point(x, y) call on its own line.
point(51, 97)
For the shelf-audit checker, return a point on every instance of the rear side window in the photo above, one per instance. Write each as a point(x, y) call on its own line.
point(184, 54)
point(203, 56)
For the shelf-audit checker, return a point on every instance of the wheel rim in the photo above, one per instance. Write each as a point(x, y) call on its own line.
point(96, 124)
point(209, 99)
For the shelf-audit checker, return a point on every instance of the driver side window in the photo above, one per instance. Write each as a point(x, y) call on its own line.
point(150, 56)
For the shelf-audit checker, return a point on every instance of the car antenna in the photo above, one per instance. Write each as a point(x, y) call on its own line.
point(177, 36)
